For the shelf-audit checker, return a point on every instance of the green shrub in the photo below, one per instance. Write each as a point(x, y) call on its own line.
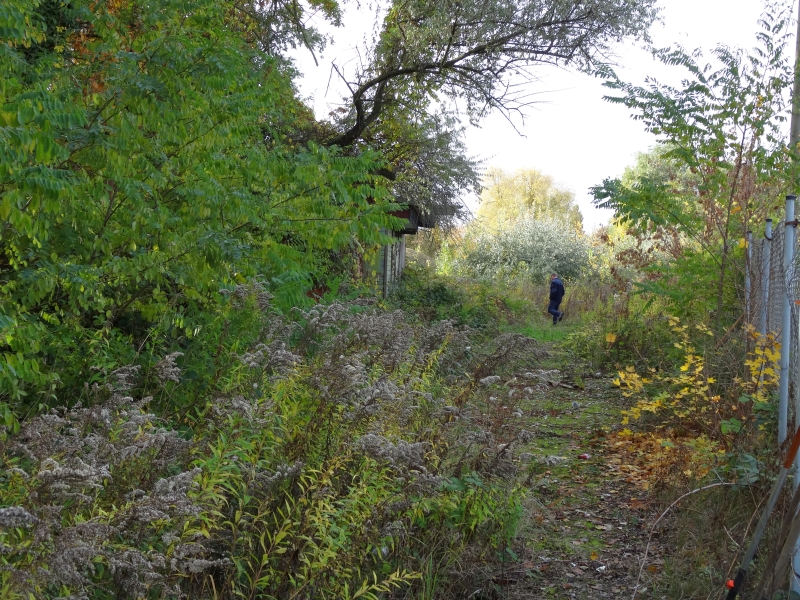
point(435, 297)
point(144, 171)
point(628, 329)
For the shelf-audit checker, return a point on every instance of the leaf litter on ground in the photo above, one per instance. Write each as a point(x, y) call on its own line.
point(584, 530)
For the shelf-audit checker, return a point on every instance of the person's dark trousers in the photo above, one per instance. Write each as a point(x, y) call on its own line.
point(553, 310)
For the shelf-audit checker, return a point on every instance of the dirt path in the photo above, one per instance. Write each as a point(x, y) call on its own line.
point(586, 522)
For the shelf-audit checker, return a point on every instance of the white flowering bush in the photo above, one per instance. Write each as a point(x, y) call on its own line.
point(526, 248)
point(337, 454)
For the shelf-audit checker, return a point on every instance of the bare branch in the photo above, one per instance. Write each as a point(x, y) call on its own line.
point(471, 49)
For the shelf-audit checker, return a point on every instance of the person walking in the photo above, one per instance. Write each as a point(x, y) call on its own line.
point(556, 295)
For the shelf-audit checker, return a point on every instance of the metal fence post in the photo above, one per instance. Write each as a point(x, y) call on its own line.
point(794, 584)
point(789, 276)
point(786, 322)
point(766, 261)
point(749, 255)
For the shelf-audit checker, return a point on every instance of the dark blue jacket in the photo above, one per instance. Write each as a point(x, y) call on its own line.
point(556, 290)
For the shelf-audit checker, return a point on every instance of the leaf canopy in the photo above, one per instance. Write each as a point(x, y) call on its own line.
point(146, 163)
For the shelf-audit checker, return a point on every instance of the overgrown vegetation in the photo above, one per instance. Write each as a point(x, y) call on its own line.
point(148, 163)
point(705, 406)
point(667, 300)
point(344, 453)
point(200, 396)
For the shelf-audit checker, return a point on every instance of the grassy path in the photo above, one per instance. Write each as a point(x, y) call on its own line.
point(585, 524)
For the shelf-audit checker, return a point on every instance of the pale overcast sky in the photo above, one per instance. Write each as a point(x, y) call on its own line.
point(573, 135)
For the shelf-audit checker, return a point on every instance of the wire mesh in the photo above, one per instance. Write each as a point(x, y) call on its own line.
point(768, 282)
point(770, 279)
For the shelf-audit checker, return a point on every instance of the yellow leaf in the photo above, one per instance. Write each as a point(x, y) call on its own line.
point(594, 556)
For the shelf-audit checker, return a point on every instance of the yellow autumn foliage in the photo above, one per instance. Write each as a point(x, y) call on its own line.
point(687, 397)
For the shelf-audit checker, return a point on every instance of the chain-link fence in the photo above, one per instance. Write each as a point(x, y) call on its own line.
point(772, 295)
point(770, 279)
point(767, 282)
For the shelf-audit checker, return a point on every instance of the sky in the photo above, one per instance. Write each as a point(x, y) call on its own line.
point(573, 135)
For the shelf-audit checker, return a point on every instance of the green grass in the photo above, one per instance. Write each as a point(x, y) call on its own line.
point(541, 328)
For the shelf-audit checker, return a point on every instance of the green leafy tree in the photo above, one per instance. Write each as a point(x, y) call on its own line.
point(146, 163)
point(526, 193)
point(723, 167)
point(528, 247)
point(429, 164)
